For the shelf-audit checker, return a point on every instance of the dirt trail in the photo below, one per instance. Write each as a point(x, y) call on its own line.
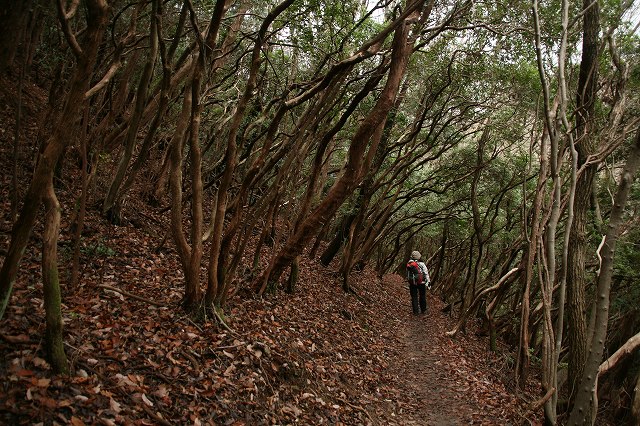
point(448, 382)
point(441, 404)
point(430, 393)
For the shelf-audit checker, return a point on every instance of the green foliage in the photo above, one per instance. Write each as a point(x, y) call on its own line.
point(627, 273)
point(97, 249)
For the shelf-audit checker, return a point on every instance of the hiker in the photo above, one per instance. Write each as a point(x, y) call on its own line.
point(418, 277)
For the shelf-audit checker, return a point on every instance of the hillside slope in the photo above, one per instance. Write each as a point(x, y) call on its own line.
point(316, 357)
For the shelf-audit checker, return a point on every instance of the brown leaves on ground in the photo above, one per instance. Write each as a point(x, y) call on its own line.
point(320, 356)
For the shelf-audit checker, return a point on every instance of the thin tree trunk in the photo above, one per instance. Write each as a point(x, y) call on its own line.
point(293, 277)
point(353, 169)
point(13, 21)
point(189, 124)
point(215, 289)
point(165, 86)
point(489, 310)
point(475, 261)
point(51, 284)
point(134, 122)
point(319, 239)
point(506, 278)
point(435, 278)
point(635, 405)
point(356, 241)
point(192, 283)
point(376, 233)
point(555, 116)
point(15, 193)
point(196, 188)
point(336, 243)
point(346, 221)
point(628, 348)
point(82, 208)
point(266, 229)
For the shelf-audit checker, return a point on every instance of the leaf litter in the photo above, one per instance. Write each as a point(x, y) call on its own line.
point(319, 356)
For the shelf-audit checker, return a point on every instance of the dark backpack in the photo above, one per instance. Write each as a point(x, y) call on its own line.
point(414, 273)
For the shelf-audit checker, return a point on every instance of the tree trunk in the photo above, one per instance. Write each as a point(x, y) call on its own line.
point(61, 137)
point(505, 279)
point(435, 275)
point(111, 206)
point(347, 220)
point(319, 239)
point(352, 174)
point(578, 241)
point(293, 277)
point(13, 21)
point(624, 351)
point(358, 243)
point(548, 270)
point(82, 207)
point(336, 243)
point(51, 284)
point(216, 289)
point(635, 405)
point(192, 279)
point(585, 404)
point(15, 193)
point(489, 310)
point(402, 265)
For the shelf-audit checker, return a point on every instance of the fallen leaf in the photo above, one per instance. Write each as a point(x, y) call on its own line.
point(76, 421)
point(39, 362)
point(161, 392)
point(146, 400)
point(43, 383)
point(115, 406)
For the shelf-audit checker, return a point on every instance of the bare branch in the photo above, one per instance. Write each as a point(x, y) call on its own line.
point(130, 295)
point(66, 29)
point(625, 350)
point(72, 9)
point(105, 80)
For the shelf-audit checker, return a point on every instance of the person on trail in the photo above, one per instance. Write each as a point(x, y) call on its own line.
point(418, 277)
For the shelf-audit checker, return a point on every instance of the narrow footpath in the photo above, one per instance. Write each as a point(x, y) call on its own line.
point(439, 402)
point(444, 381)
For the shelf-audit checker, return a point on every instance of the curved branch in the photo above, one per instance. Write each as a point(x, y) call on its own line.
point(625, 350)
point(502, 280)
point(66, 29)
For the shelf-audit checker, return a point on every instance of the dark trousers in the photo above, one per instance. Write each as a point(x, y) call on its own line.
point(418, 298)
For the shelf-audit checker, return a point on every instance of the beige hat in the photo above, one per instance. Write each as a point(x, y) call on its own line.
point(415, 255)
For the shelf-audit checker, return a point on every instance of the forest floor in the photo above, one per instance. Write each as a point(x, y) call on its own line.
point(318, 356)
